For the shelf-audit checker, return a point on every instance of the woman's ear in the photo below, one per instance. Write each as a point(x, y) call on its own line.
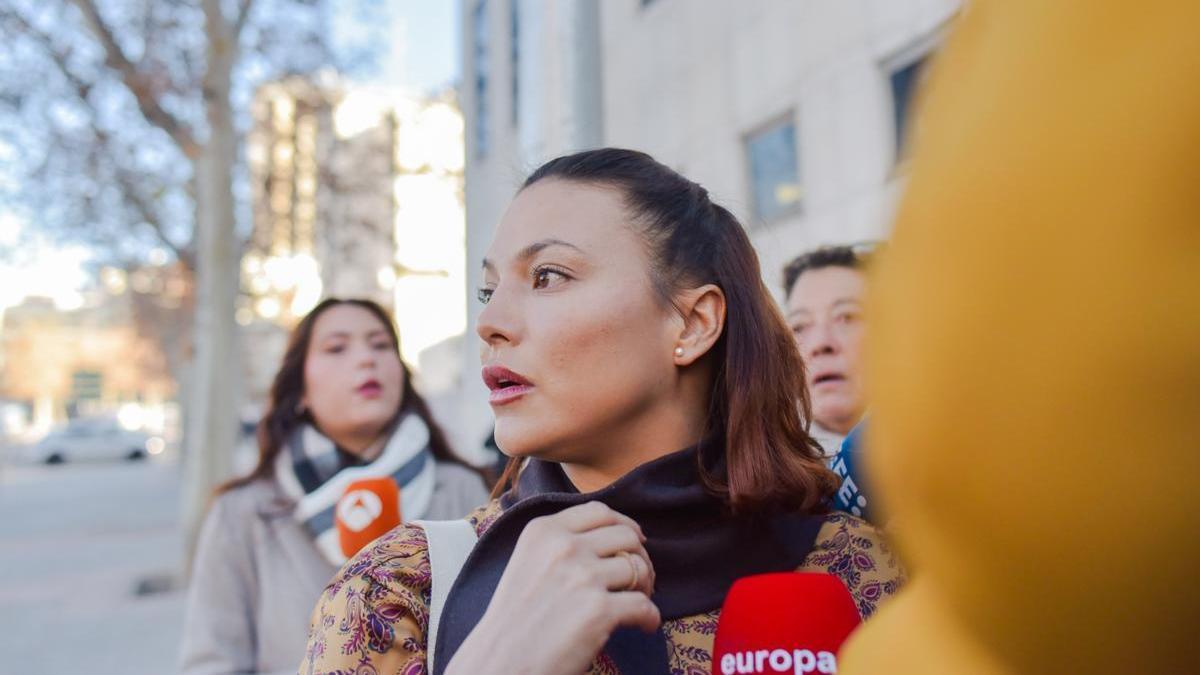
point(703, 312)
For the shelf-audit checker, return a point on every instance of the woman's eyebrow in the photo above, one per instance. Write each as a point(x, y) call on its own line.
point(532, 250)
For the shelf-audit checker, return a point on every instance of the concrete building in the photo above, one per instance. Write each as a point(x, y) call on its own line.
point(322, 199)
point(110, 357)
point(790, 113)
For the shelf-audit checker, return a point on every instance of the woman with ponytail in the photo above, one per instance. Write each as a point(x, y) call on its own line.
point(342, 409)
point(645, 388)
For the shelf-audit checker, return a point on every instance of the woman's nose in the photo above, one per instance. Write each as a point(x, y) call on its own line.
point(821, 340)
point(365, 356)
point(498, 321)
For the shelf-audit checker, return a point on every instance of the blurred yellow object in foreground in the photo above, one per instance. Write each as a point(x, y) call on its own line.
point(1035, 356)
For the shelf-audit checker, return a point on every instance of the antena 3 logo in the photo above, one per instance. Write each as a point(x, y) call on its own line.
point(779, 661)
point(358, 509)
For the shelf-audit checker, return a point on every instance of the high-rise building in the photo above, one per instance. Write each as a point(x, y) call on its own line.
point(356, 192)
point(321, 196)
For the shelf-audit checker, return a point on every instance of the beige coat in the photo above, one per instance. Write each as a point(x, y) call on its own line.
point(258, 574)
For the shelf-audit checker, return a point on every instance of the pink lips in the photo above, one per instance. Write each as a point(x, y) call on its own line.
point(370, 389)
point(824, 377)
point(505, 385)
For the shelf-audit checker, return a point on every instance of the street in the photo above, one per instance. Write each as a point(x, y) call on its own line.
point(76, 542)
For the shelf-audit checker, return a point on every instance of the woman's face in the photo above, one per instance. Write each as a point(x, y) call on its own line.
point(825, 314)
point(353, 380)
point(577, 350)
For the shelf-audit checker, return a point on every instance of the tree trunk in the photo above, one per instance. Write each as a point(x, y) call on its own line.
point(211, 430)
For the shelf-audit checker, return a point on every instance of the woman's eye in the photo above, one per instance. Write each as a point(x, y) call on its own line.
point(847, 317)
point(544, 276)
point(382, 346)
point(484, 294)
point(335, 349)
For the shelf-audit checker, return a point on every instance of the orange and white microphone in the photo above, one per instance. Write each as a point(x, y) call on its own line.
point(368, 509)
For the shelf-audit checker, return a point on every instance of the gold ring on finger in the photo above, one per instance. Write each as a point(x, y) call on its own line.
point(637, 575)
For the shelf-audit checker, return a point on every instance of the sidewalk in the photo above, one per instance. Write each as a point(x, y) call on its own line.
point(75, 541)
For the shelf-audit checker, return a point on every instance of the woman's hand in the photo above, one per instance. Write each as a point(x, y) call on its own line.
point(573, 578)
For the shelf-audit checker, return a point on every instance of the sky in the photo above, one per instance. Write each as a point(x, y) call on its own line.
point(421, 37)
point(51, 272)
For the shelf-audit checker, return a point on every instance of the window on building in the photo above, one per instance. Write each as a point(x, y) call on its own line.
point(774, 172)
point(904, 82)
point(479, 40)
point(514, 57)
point(86, 385)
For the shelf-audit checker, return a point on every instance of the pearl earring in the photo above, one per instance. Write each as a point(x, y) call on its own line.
point(679, 351)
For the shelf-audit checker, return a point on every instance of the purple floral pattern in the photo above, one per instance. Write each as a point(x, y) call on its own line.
point(857, 554)
point(373, 616)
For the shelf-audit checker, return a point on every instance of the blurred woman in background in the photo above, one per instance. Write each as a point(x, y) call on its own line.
point(343, 401)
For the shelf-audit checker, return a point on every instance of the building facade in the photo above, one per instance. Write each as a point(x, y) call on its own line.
point(321, 197)
point(118, 355)
point(790, 113)
point(357, 192)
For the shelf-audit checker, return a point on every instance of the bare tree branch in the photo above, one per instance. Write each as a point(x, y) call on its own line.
point(129, 189)
point(243, 15)
point(137, 84)
point(129, 183)
point(147, 20)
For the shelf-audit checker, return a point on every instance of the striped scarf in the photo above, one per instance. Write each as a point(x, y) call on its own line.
point(313, 475)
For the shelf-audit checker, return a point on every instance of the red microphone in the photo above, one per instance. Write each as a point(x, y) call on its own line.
point(368, 509)
point(783, 623)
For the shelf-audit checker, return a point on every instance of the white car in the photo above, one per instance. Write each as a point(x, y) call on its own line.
point(93, 439)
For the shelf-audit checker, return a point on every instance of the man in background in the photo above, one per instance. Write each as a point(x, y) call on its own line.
point(824, 310)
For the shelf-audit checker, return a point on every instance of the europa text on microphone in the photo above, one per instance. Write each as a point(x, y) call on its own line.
point(783, 623)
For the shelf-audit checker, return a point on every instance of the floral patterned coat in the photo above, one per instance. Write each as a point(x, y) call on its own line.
point(373, 617)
